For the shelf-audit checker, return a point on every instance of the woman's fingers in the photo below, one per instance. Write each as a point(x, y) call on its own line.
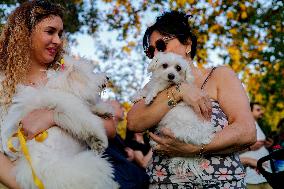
point(198, 100)
point(196, 109)
point(167, 133)
point(156, 138)
point(206, 108)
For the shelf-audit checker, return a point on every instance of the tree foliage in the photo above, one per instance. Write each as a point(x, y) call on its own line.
point(248, 35)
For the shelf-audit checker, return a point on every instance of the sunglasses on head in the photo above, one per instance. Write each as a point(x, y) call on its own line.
point(161, 46)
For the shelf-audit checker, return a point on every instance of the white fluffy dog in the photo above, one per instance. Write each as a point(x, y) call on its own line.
point(62, 160)
point(168, 69)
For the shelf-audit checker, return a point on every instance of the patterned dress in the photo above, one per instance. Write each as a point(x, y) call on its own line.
point(221, 171)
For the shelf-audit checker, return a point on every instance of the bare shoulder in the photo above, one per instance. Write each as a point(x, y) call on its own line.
point(224, 75)
point(223, 71)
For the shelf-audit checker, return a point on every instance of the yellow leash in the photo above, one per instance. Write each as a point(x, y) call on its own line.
point(39, 138)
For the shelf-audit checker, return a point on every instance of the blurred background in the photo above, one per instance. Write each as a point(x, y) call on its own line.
point(246, 35)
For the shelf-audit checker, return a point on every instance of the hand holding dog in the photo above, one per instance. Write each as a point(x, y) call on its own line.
point(171, 146)
point(197, 99)
point(36, 122)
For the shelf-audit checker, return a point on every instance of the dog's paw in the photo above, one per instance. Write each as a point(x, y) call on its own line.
point(103, 108)
point(96, 145)
point(148, 100)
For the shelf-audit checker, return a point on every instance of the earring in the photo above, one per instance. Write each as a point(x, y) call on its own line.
point(188, 52)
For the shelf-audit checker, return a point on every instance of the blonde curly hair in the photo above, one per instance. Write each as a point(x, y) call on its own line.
point(15, 44)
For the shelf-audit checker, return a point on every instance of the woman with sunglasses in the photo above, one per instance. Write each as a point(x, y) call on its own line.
point(216, 95)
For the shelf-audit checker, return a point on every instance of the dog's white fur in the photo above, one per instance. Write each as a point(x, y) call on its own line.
point(62, 161)
point(181, 119)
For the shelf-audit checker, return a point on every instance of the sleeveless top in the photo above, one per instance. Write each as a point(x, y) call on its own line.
point(217, 168)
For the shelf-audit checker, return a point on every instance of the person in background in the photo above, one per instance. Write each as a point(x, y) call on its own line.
point(128, 174)
point(253, 178)
point(139, 143)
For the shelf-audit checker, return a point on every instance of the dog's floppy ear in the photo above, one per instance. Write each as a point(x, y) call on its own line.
point(153, 64)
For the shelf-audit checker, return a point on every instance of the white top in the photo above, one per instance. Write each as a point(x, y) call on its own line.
point(253, 177)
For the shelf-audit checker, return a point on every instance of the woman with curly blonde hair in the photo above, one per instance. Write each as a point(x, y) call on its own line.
point(16, 45)
point(30, 44)
point(30, 50)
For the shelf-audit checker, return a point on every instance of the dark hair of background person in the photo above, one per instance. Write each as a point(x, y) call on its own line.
point(252, 105)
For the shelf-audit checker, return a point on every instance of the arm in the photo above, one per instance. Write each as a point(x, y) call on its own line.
point(142, 117)
point(110, 128)
point(37, 121)
point(238, 135)
point(6, 176)
point(241, 132)
point(256, 145)
point(142, 160)
point(249, 162)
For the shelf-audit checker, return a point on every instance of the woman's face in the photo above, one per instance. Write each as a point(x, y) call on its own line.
point(172, 45)
point(46, 40)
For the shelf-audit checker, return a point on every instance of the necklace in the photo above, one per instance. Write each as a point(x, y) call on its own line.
point(32, 83)
point(41, 80)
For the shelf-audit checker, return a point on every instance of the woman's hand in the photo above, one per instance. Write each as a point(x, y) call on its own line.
point(36, 122)
point(7, 176)
point(196, 98)
point(170, 146)
point(249, 162)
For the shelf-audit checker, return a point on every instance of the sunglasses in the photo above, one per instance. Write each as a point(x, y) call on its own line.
point(161, 46)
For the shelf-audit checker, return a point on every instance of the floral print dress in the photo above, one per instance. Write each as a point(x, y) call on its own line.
point(221, 171)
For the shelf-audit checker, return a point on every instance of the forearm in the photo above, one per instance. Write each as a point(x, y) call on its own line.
point(233, 138)
point(142, 160)
point(6, 176)
point(142, 117)
point(248, 161)
point(38, 121)
point(147, 158)
point(110, 128)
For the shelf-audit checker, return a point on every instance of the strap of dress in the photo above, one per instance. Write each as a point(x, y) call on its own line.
point(207, 78)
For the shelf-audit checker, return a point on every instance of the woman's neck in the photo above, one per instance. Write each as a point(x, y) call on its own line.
point(36, 74)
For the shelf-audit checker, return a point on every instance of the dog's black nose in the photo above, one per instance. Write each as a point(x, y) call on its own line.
point(107, 77)
point(171, 76)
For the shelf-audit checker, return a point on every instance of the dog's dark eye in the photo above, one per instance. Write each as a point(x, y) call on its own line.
point(178, 68)
point(165, 66)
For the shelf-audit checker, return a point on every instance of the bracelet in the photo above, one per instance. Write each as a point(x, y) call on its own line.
point(137, 100)
point(171, 102)
point(201, 150)
point(178, 87)
point(174, 98)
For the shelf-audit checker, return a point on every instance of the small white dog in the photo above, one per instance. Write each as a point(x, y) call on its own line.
point(168, 69)
point(62, 160)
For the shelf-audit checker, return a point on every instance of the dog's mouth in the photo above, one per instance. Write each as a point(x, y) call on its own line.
point(106, 84)
point(103, 86)
point(171, 81)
